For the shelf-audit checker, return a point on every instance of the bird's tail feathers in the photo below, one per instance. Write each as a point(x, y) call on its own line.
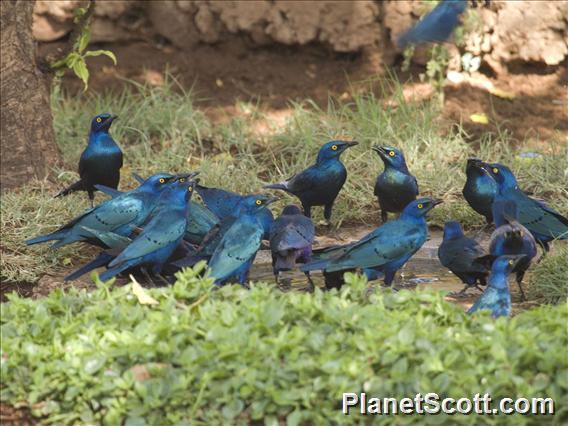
point(114, 271)
point(486, 261)
point(316, 265)
point(57, 235)
point(77, 186)
point(101, 260)
point(188, 261)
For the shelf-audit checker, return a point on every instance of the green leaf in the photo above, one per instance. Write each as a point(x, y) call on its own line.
point(99, 53)
point(83, 40)
point(81, 71)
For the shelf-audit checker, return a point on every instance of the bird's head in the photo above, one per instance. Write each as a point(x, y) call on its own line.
point(452, 230)
point(256, 202)
point(291, 209)
point(182, 177)
point(419, 208)
point(158, 182)
point(178, 189)
point(501, 174)
point(392, 157)
point(505, 264)
point(102, 122)
point(473, 167)
point(334, 149)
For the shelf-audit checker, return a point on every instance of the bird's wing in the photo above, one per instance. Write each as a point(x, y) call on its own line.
point(115, 212)
point(538, 217)
point(222, 203)
point(296, 233)
point(416, 191)
point(165, 229)
point(213, 237)
point(392, 241)
point(110, 239)
point(303, 181)
point(460, 255)
point(488, 300)
point(200, 221)
point(436, 26)
point(238, 245)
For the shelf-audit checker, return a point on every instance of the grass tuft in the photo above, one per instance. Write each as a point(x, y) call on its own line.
point(549, 278)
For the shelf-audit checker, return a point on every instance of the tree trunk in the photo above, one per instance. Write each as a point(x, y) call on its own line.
point(27, 139)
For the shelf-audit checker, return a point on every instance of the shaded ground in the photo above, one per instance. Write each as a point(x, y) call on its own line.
point(228, 72)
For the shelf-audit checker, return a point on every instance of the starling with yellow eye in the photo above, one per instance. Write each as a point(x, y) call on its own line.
point(395, 186)
point(100, 162)
point(319, 184)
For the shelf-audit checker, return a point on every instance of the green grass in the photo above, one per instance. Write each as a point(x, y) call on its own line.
point(263, 357)
point(161, 129)
point(549, 278)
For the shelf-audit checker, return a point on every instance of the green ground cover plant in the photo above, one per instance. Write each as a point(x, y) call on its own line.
point(264, 357)
point(163, 129)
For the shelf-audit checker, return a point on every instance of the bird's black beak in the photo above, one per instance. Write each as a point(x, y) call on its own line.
point(352, 143)
point(187, 176)
point(379, 150)
point(271, 200)
point(111, 118)
point(485, 167)
point(436, 201)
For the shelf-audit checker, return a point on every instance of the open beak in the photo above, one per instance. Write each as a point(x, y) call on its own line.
point(379, 150)
point(187, 176)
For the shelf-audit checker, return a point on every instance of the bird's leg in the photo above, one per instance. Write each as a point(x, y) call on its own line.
point(307, 210)
point(520, 275)
point(92, 198)
point(545, 247)
point(460, 294)
point(147, 276)
point(327, 213)
point(481, 231)
point(389, 278)
point(163, 279)
point(384, 215)
point(311, 287)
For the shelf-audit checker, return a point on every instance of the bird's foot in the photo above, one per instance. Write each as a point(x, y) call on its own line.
point(459, 294)
point(285, 285)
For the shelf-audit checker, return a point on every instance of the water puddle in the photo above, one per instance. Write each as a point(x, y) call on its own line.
point(423, 269)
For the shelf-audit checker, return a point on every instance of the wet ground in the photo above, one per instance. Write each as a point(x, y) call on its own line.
point(422, 271)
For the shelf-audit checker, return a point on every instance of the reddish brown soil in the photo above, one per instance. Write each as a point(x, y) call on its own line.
point(10, 416)
point(225, 73)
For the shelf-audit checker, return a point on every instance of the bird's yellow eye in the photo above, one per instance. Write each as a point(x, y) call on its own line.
point(190, 188)
point(162, 180)
point(182, 180)
point(334, 147)
point(511, 262)
point(391, 153)
point(99, 119)
point(420, 206)
point(258, 202)
point(495, 170)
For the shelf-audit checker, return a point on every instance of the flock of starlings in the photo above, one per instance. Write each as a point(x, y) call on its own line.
point(157, 229)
